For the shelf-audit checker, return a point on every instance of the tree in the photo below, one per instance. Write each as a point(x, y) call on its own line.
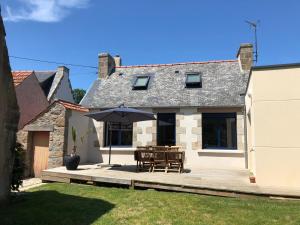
point(78, 94)
point(9, 118)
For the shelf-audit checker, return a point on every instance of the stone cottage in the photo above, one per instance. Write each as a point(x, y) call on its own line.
point(46, 137)
point(199, 106)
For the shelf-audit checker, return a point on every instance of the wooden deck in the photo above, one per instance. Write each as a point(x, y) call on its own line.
point(231, 183)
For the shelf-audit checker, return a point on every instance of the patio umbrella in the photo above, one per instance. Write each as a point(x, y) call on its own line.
point(120, 114)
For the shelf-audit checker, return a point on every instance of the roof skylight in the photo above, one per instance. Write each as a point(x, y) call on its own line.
point(141, 83)
point(193, 80)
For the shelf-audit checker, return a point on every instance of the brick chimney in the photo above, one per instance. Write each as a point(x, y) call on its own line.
point(106, 65)
point(118, 61)
point(245, 56)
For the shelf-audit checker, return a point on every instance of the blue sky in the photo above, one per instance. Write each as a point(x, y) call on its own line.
point(146, 32)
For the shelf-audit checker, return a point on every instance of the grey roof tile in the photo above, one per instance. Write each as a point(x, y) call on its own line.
point(44, 75)
point(222, 85)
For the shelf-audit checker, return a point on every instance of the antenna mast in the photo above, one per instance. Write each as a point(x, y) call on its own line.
point(254, 26)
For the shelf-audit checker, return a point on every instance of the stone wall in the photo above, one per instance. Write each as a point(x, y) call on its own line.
point(25, 138)
point(54, 121)
point(9, 118)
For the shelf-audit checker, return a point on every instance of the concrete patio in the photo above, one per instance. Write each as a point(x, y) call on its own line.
point(231, 183)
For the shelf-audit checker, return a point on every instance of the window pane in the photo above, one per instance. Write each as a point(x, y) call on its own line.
point(193, 78)
point(219, 130)
point(141, 81)
point(121, 134)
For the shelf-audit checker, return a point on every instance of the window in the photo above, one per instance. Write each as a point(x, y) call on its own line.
point(219, 131)
point(166, 129)
point(121, 134)
point(193, 80)
point(141, 83)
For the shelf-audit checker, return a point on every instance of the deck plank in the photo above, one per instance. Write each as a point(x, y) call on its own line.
point(205, 181)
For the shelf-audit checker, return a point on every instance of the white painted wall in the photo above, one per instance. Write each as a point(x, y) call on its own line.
point(81, 124)
point(273, 100)
point(202, 158)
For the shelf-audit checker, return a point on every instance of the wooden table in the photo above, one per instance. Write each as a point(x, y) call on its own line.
point(159, 158)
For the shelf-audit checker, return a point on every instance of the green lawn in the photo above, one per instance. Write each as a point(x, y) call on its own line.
point(72, 204)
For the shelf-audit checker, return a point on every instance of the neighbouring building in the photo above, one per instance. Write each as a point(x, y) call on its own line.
point(273, 120)
point(199, 106)
point(35, 90)
point(46, 104)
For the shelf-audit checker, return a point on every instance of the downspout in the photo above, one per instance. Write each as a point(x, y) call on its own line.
point(245, 138)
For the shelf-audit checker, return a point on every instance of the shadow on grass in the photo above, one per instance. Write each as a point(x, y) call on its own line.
point(53, 208)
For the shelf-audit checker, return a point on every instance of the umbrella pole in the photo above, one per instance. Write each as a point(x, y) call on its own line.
point(110, 131)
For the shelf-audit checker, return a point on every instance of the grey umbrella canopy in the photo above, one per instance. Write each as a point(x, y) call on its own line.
point(120, 114)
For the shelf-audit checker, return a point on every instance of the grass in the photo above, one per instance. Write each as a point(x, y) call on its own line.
point(76, 204)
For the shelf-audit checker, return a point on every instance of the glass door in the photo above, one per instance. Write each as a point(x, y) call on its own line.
point(166, 125)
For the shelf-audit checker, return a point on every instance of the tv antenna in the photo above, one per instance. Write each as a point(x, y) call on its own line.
point(254, 26)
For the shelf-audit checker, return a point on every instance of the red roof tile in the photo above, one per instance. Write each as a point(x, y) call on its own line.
point(20, 76)
point(73, 106)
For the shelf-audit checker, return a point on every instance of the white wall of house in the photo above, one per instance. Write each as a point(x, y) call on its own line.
point(273, 107)
point(188, 135)
point(191, 137)
point(81, 125)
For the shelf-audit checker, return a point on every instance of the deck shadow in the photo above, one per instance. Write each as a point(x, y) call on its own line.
point(53, 208)
point(124, 168)
point(132, 168)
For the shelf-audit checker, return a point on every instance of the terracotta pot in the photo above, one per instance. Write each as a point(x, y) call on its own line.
point(252, 179)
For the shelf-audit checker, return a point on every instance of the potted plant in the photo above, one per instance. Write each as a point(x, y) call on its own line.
point(252, 178)
point(73, 160)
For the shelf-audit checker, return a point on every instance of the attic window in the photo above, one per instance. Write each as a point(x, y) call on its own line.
point(193, 80)
point(141, 83)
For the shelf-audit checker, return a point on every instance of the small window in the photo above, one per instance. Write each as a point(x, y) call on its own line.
point(141, 83)
point(193, 80)
point(121, 134)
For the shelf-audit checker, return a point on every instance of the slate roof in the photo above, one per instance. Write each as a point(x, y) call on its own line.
point(48, 80)
point(222, 86)
point(45, 79)
point(44, 75)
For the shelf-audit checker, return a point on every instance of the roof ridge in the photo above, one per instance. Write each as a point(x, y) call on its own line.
point(45, 71)
point(22, 71)
point(177, 64)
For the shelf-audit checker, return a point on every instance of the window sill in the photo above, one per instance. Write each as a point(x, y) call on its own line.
point(118, 148)
point(221, 151)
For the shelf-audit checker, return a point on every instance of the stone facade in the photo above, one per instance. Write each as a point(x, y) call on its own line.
point(106, 65)
point(188, 136)
point(55, 120)
point(245, 56)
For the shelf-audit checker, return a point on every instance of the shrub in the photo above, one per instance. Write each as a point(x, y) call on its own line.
point(18, 168)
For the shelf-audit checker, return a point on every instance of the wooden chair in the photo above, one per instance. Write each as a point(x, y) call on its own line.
point(159, 160)
point(145, 159)
point(175, 160)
